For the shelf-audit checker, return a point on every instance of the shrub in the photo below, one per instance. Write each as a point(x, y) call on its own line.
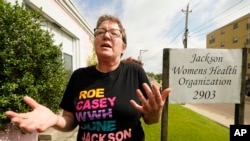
point(30, 63)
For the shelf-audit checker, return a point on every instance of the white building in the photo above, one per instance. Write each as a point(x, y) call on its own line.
point(69, 27)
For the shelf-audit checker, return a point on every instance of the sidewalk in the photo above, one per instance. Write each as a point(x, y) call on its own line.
point(60, 136)
point(220, 119)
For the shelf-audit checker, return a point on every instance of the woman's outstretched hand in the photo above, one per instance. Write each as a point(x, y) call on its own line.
point(152, 106)
point(39, 119)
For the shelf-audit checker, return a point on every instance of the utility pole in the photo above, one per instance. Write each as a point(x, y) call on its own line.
point(186, 26)
point(140, 54)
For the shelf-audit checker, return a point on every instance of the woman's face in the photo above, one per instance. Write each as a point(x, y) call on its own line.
point(108, 41)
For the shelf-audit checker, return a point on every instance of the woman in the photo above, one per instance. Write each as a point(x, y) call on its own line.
point(106, 101)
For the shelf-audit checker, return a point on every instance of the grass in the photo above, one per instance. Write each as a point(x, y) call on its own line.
point(186, 125)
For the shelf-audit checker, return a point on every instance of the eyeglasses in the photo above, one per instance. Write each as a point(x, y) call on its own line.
point(114, 33)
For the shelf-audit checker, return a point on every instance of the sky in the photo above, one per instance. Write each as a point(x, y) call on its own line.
point(152, 25)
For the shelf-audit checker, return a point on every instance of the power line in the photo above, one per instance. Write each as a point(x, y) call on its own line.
point(202, 33)
point(174, 39)
point(208, 22)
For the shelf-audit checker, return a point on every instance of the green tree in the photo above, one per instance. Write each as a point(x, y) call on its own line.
point(30, 63)
point(151, 74)
point(92, 60)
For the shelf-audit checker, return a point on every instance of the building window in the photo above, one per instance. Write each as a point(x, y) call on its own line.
point(235, 40)
point(248, 39)
point(212, 39)
point(222, 44)
point(68, 62)
point(235, 26)
point(248, 23)
point(222, 31)
point(248, 65)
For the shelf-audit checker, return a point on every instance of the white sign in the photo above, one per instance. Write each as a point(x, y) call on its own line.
point(205, 75)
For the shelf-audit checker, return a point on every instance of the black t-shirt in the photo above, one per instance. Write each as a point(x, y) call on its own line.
point(100, 103)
